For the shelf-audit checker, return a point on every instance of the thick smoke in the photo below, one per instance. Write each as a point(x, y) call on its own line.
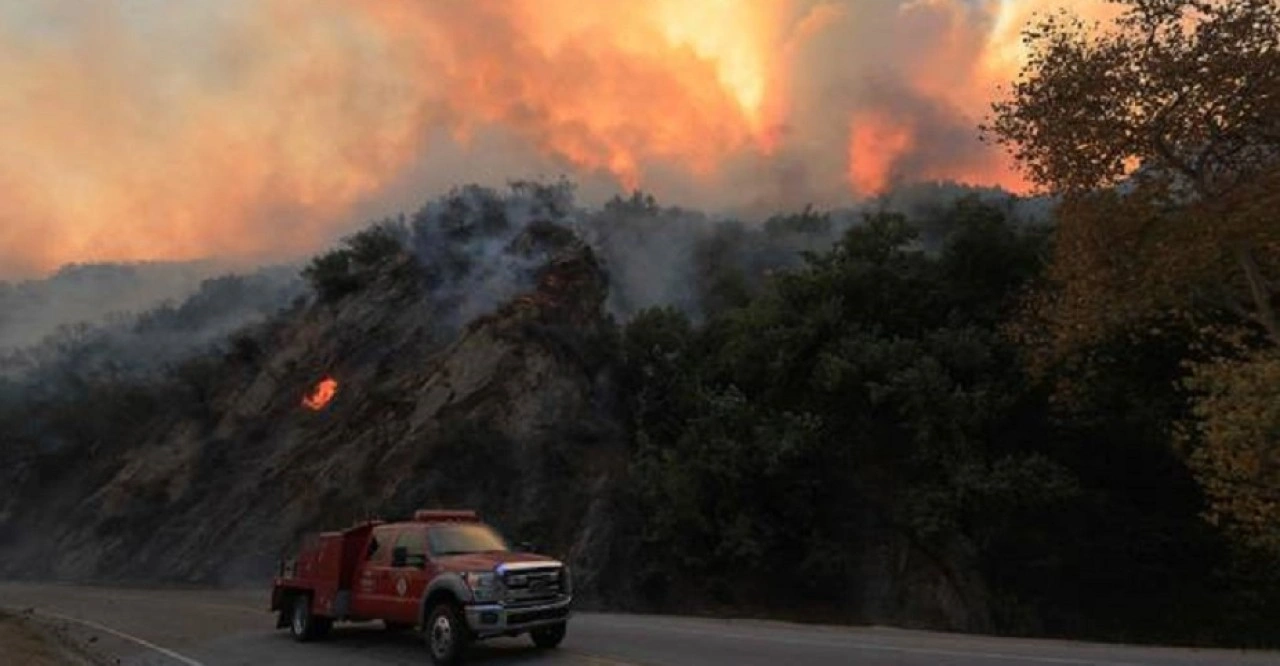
point(247, 129)
point(475, 247)
point(479, 247)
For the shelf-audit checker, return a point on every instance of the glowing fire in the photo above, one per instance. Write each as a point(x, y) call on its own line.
point(321, 395)
point(247, 128)
point(878, 142)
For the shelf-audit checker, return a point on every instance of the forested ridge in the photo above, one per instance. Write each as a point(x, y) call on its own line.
point(950, 416)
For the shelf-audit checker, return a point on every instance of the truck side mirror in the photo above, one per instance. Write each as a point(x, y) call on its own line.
point(398, 555)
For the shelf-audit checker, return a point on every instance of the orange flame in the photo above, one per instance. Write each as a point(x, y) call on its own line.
point(321, 395)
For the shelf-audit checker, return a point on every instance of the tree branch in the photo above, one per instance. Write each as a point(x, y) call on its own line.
point(1265, 314)
point(1166, 153)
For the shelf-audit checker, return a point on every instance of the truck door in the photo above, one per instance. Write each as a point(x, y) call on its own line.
point(409, 579)
point(373, 586)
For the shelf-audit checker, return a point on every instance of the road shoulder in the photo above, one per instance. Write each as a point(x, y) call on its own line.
point(27, 640)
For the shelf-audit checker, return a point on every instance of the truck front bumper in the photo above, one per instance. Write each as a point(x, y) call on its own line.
point(488, 620)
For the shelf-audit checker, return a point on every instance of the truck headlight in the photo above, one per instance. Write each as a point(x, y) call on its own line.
point(485, 585)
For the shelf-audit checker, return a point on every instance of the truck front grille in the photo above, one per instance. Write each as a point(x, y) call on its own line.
point(534, 584)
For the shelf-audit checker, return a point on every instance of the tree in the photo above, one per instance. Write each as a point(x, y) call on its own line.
point(865, 396)
point(1234, 443)
point(1163, 134)
point(378, 249)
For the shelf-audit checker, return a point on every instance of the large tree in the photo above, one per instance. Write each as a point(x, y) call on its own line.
point(1162, 133)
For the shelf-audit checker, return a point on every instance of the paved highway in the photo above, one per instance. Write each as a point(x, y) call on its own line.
point(209, 627)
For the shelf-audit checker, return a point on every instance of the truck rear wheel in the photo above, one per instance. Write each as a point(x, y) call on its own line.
point(302, 624)
point(446, 634)
point(549, 636)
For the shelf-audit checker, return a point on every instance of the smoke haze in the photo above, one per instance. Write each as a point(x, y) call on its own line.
point(32, 309)
point(259, 129)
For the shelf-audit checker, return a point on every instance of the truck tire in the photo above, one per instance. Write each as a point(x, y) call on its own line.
point(446, 634)
point(549, 636)
point(302, 624)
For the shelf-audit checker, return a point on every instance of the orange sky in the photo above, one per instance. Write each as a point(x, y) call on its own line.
point(148, 129)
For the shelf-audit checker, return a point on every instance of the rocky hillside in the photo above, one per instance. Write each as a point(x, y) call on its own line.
point(514, 416)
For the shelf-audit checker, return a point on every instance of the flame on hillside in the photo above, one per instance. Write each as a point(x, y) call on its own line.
point(151, 129)
point(323, 394)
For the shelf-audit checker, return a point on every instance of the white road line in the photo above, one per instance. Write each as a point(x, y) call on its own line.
point(880, 647)
point(128, 637)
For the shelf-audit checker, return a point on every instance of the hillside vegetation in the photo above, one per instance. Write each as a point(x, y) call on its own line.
point(854, 433)
point(941, 415)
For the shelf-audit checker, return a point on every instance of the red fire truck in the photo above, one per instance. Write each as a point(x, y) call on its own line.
point(445, 573)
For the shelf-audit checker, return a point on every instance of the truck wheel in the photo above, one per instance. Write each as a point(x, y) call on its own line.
point(549, 636)
point(446, 634)
point(302, 624)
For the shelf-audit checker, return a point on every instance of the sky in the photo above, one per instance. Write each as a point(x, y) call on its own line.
point(254, 130)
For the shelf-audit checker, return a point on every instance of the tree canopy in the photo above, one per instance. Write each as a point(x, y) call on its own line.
point(1162, 132)
point(1183, 90)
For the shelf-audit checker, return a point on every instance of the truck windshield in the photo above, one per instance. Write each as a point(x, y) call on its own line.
point(460, 539)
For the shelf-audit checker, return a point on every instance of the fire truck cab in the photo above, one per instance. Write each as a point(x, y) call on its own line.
point(445, 573)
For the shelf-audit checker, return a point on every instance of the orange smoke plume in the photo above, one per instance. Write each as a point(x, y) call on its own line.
point(151, 129)
point(179, 132)
point(878, 141)
point(604, 86)
point(922, 127)
point(323, 394)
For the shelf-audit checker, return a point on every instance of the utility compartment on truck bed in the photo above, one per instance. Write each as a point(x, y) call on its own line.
point(324, 567)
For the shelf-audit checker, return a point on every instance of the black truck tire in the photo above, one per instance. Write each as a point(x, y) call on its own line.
point(302, 624)
point(446, 634)
point(549, 636)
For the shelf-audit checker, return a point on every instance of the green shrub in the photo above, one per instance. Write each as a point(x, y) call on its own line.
point(378, 250)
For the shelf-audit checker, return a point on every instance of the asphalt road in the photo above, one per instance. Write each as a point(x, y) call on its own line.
point(205, 627)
